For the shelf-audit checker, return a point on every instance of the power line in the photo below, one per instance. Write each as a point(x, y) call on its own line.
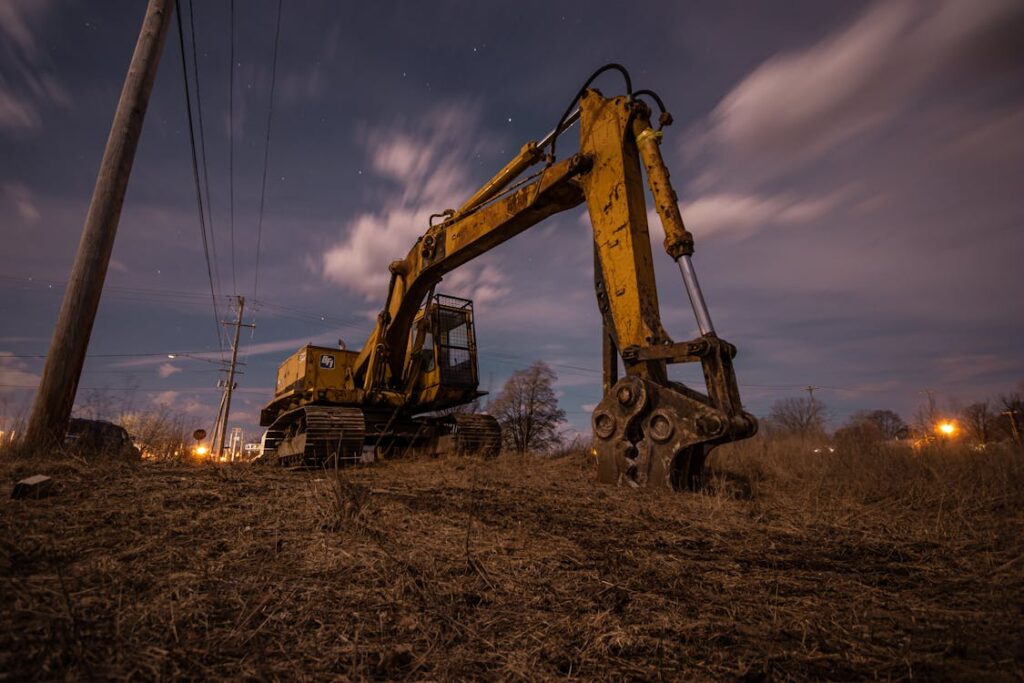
point(513, 359)
point(110, 355)
point(202, 146)
point(266, 151)
point(204, 390)
point(187, 298)
point(120, 291)
point(292, 313)
point(129, 371)
point(195, 170)
point(231, 146)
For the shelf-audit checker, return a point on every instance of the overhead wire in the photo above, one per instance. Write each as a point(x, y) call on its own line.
point(113, 355)
point(231, 147)
point(195, 172)
point(185, 298)
point(289, 312)
point(281, 311)
point(202, 147)
point(266, 151)
point(137, 389)
point(514, 359)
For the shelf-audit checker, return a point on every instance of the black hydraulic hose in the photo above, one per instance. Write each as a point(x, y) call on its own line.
point(607, 67)
point(447, 213)
point(665, 119)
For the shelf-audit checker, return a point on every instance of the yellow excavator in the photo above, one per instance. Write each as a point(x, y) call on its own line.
point(397, 393)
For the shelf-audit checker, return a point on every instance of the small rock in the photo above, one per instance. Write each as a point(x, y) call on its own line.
point(37, 486)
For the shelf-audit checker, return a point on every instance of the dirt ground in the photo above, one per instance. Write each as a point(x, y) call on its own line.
point(520, 568)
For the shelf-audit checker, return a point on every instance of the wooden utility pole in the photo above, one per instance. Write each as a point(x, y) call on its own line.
point(216, 426)
point(63, 369)
point(222, 422)
point(814, 406)
point(1011, 415)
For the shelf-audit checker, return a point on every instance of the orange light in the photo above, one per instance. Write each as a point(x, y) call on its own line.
point(946, 428)
point(201, 451)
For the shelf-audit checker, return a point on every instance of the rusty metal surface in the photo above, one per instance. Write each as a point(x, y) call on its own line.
point(627, 292)
point(649, 435)
point(678, 240)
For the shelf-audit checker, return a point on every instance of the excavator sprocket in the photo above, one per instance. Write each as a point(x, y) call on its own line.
point(314, 436)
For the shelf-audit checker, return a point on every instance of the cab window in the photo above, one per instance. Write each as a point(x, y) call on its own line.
point(427, 363)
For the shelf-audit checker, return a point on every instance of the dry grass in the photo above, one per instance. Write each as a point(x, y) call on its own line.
point(871, 564)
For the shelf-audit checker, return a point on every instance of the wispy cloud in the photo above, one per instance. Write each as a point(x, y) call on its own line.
point(13, 374)
point(20, 197)
point(167, 369)
point(260, 349)
point(805, 103)
point(426, 166)
point(26, 86)
point(735, 214)
point(816, 119)
point(15, 17)
point(17, 112)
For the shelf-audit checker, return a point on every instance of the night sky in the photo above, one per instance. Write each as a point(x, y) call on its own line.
point(852, 173)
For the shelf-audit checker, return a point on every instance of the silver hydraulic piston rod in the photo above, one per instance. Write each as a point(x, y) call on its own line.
point(700, 309)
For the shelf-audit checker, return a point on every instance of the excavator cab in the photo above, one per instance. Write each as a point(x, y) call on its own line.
point(447, 374)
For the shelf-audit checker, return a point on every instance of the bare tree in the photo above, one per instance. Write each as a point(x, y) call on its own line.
point(890, 425)
point(528, 411)
point(798, 415)
point(927, 415)
point(978, 419)
point(858, 433)
point(107, 403)
point(1012, 413)
point(159, 434)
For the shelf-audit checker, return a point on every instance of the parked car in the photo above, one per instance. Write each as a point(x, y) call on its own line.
point(93, 437)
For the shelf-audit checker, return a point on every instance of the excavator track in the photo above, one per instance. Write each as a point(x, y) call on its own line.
point(268, 452)
point(316, 436)
point(474, 434)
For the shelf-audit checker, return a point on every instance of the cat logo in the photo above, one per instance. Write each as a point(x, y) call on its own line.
point(326, 361)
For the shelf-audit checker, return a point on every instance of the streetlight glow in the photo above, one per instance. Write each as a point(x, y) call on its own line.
point(201, 451)
point(946, 428)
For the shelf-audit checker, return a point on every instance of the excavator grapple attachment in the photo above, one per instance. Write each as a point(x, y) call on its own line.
point(649, 435)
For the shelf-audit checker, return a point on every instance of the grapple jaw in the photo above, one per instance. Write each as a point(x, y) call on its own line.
point(651, 435)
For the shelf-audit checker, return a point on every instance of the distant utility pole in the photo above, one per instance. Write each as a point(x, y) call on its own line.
point(222, 420)
point(63, 368)
point(814, 406)
point(1011, 415)
point(236, 443)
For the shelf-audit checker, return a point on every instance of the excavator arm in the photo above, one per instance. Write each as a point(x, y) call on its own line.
point(447, 246)
point(648, 431)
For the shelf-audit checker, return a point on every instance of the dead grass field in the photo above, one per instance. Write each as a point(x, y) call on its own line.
point(791, 566)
